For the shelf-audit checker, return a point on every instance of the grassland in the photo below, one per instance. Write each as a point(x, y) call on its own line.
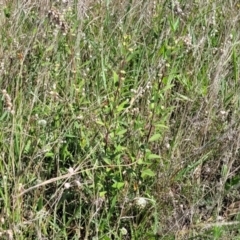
point(119, 119)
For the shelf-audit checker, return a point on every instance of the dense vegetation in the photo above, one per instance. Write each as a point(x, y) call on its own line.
point(119, 119)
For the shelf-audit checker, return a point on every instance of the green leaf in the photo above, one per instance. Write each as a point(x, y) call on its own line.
point(122, 106)
point(49, 154)
point(40, 204)
point(153, 156)
point(4, 115)
point(107, 161)
point(115, 77)
point(102, 194)
point(27, 147)
point(147, 173)
point(105, 238)
point(121, 132)
point(162, 126)
point(100, 122)
point(7, 12)
point(118, 185)
point(154, 137)
point(49, 49)
point(140, 161)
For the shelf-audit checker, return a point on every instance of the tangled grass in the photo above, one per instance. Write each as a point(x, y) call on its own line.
point(119, 119)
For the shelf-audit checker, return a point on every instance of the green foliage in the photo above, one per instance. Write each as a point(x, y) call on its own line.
point(119, 120)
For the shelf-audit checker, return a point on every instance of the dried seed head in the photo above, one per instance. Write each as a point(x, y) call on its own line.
point(123, 231)
point(42, 122)
point(67, 185)
point(141, 202)
point(57, 19)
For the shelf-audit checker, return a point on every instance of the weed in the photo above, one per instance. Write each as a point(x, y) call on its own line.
point(119, 120)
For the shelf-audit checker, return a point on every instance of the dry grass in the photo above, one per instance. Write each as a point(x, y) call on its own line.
point(119, 120)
